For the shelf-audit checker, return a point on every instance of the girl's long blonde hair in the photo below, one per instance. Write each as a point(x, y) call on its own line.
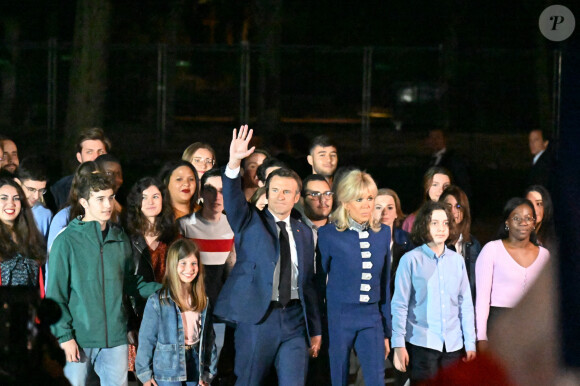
point(181, 249)
point(349, 188)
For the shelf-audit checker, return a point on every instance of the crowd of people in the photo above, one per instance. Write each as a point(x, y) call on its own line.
point(245, 272)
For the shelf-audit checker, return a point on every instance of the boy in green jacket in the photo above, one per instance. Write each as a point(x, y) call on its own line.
point(91, 268)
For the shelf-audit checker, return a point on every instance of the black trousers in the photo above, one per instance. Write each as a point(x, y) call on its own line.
point(424, 363)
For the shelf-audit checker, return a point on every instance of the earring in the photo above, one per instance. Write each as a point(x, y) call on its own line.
point(506, 227)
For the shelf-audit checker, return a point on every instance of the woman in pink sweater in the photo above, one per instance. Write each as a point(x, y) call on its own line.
point(507, 267)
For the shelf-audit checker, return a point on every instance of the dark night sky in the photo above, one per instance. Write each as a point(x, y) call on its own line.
point(476, 23)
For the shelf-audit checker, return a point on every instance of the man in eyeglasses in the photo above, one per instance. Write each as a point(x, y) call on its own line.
point(317, 204)
point(32, 176)
point(317, 197)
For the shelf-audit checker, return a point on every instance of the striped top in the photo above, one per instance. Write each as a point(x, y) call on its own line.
point(214, 239)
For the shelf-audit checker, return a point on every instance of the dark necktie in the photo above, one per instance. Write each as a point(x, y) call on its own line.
point(285, 265)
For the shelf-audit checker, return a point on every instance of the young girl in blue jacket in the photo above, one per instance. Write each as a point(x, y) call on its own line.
point(176, 339)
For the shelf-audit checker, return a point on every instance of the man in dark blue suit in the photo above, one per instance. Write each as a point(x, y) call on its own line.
point(270, 292)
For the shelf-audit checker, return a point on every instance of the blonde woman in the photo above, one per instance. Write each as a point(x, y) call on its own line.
point(355, 257)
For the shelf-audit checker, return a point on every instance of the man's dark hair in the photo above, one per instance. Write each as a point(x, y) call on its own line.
point(285, 173)
point(308, 179)
point(215, 172)
point(94, 183)
point(421, 234)
point(95, 134)
point(322, 141)
point(32, 168)
point(104, 158)
point(545, 134)
point(268, 163)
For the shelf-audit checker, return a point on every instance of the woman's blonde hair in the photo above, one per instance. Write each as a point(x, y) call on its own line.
point(349, 188)
point(181, 249)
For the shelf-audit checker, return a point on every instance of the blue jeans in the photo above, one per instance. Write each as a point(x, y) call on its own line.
point(192, 368)
point(105, 366)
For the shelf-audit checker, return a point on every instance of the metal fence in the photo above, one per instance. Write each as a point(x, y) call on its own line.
point(159, 90)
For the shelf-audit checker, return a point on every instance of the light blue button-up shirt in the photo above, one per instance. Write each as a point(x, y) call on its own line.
point(432, 305)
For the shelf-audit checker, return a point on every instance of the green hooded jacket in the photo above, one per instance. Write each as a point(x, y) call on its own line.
point(88, 277)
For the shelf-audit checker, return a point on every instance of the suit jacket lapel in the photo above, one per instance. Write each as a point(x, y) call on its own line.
point(273, 229)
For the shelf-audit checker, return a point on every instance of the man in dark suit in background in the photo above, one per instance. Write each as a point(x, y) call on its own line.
point(442, 156)
point(270, 293)
point(542, 161)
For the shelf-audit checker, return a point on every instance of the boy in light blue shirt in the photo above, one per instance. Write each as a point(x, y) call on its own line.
point(432, 309)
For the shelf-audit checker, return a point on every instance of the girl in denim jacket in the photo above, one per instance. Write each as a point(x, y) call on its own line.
point(176, 339)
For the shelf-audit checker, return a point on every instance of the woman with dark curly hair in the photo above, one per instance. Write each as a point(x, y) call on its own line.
point(22, 247)
point(507, 266)
point(148, 220)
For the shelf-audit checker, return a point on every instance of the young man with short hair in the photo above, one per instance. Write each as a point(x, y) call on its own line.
point(91, 143)
point(210, 230)
point(317, 201)
point(91, 268)
point(33, 178)
point(323, 157)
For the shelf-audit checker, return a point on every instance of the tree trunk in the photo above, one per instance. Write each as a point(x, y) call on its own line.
point(268, 18)
point(8, 71)
point(88, 75)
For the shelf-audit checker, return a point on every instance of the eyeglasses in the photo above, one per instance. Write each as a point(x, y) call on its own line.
point(518, 220)
point(320, 195)
point(456, 206)
point(34, 190)
point(203, 161)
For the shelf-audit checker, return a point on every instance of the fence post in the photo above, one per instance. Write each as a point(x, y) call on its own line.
point(162, 92)
point(51, 90)
point(245, 83)
point(556, 92)
point(366, 98)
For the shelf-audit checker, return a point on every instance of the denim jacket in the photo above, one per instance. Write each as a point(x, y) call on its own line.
point(161, 351)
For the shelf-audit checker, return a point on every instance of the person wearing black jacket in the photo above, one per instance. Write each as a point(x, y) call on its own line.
point(148, 220)
point(464, 242)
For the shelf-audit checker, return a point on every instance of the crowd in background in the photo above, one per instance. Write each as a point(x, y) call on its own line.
point(204, 259)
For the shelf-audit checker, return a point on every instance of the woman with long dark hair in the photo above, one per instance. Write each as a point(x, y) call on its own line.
point(462, 242)
point(435, 180)
point(507, 267)
point(148, 220)
point(182, 182)
point(22, 247)
point(545, 230)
